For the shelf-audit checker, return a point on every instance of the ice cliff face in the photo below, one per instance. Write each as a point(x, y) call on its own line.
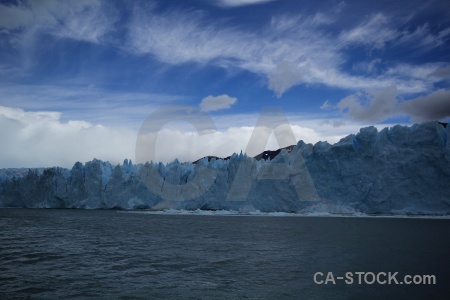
point(399, 170)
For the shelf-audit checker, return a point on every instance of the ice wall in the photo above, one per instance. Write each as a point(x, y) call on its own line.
point(399, 170)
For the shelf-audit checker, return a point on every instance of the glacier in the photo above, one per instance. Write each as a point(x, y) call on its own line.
point(398, 170)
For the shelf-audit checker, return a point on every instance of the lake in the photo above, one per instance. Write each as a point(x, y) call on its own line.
point(108, 254)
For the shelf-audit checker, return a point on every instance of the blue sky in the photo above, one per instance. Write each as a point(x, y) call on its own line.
point(78, 78)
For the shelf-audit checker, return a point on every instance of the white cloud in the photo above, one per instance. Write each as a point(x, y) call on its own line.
point(326, 105)
point(40, 139)
point(213, 103)
point(367, 67)
point(88, 24)
point(284, 77)
point(12, 17)
point(84, 20)
point(289, 51)
point(374, 106)
point(379, 105)
point(178, 37)
point(285, 51)
point(235, 3)
point(423, 38)
point(189, 146)
point(379, 29)
point(442, 72)
point(232, 133)
point(334, 123)
point(96, 105)
point(423, 73)
point(374, 31)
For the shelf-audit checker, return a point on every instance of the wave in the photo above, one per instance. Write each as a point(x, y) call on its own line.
point(257, 213)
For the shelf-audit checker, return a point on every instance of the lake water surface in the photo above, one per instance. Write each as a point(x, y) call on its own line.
point(107, 254)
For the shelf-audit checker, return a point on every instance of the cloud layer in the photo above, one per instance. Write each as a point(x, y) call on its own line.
point(41, 139)
point(379, 105)
point(290, 50)
point(213, 103)
point(369, 66)
point(85, 20)
point(91, 104)
point(236, 3)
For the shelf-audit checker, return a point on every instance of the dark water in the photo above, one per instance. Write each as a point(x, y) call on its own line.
point(65, 254)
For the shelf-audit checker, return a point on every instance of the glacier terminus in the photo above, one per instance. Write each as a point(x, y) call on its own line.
point(398, 170)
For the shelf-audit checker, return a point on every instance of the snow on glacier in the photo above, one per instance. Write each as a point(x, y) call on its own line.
point(398, 170)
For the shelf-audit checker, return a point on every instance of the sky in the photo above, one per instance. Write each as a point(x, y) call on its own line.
point(80, 79)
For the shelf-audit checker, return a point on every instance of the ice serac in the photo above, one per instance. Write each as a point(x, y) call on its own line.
point(398, 170)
